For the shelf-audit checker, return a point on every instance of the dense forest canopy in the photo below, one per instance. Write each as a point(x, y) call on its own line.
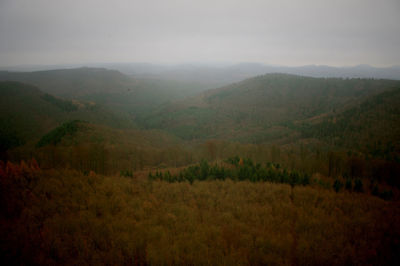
point(252, 172)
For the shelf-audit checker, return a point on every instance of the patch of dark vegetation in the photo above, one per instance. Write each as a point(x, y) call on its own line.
point(240, 170)
point(66, 106)
point(56, 135)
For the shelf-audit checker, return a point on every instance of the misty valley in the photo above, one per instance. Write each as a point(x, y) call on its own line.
point(195, 165)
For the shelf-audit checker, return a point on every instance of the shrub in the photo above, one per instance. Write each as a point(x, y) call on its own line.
point(126, 173)
point(386, 195)
point(337, 185)
point(358, 185)
point(349, 184)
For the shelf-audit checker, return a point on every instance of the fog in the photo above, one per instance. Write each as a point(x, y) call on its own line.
point(294, 33)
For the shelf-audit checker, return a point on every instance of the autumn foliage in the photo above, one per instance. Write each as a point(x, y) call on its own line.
point(64, 217)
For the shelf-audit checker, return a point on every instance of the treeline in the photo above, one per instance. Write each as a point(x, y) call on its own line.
point(73, 145)
point(237, 169)
point(105, 158)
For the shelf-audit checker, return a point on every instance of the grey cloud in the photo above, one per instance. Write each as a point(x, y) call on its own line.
point(278, 32)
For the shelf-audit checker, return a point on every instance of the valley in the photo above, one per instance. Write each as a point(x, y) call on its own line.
point(101, 166)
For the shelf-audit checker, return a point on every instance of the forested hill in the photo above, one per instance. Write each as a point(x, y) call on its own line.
point(121, 93)
point(264, 107)
point(372, 126)
point(26, 113)
point(72, 82)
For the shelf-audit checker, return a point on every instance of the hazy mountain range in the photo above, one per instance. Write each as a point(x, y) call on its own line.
point(268, 108)
point(214, 75)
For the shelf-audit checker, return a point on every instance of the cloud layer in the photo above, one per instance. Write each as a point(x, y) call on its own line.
point(175, 31)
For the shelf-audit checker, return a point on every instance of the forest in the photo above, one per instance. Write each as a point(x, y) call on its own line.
point(101, 167)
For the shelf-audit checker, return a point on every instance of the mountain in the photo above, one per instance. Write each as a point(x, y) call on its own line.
point(123, 94)
point(72, 83)
point(26, 113)
point(213, 75)
point(372, 126)
point(79, 192)
point(87, 146)
point(223, 74)
point(262, 108)
point(60, 132)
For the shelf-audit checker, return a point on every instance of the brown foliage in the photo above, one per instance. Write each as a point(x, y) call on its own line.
point(70, 218)
point(34, 165)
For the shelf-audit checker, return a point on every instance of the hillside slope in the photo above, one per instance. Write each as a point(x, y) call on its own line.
point(86, 146)
point(26, 113)
point(72, 82)
point(260, 108)
point(372, 126)
point(121, 93)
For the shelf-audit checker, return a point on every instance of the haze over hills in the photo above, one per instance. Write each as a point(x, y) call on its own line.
point(263, 109)
point(259, 109)
point(176, 132)
point(123, 94)
point(144, 87)
point(217, 75)
point(228, 73)
point(105, 138)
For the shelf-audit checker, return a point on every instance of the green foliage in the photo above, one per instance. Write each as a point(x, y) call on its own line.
point(55, 136)
point(371, 127)
point(66, 106)
point(386, 194)
point(196, 125)
point(233, 160)
point(244, 169)
point(358, 185)
point(26, 114)
point(9, 138)
point(323, 184)
point(349, 184)
point(270, 107)
point(337, 185)
point(126, 173)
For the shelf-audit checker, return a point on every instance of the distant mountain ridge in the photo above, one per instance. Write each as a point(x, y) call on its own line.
point(221, 75)
point(120, 92)
point(260, 109)
point(72, 82)
point(217, 75)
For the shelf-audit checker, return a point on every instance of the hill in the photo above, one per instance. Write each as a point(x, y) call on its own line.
point(72, 82)
point(85, 147)
point(123, 94)
point(300, 170)
point(262, 108)
point(26, 113)
point(372, 126)
point(224, 74)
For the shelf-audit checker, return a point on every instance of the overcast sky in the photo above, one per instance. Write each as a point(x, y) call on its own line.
point(332, 32)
